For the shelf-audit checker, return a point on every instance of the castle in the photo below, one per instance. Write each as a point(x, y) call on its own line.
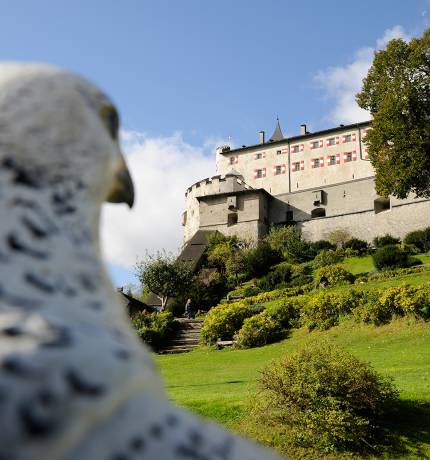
point(318, 182)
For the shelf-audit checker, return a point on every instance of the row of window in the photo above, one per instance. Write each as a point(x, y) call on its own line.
point(297, 148)
point(332, 160)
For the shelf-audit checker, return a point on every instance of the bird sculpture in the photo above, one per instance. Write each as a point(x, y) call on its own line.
point(75, 381)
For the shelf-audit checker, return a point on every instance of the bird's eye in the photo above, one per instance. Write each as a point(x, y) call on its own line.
point(110, 119)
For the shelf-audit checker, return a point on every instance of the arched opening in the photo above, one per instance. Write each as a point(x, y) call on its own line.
point(317, 212)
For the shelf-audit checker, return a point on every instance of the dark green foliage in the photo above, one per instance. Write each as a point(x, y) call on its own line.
point(385, 240)
point(396, 92)
point(419, 238)
point(333, 275)
point(328, 257)
point(154, 328)
point(324, 398)
point(390, 257)
point(324, 309)
point(165, 275)
point(355, 244)
point(278, 277)
point(259, 260)
point(224, 320)
point(319, 245)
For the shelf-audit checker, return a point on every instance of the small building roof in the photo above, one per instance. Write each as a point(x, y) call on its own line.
point(277, 134)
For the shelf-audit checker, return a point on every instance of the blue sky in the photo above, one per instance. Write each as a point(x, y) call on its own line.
point(186, 74)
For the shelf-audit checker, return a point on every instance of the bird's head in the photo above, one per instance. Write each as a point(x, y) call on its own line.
point(57, 128)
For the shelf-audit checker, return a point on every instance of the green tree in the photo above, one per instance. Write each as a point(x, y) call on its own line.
point(396, 91)
point(165, 276)
point(288, 242)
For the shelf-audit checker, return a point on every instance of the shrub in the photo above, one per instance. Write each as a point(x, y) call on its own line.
point(259, 260)
point(421, 300)
point(281, 274)
point(390, 257)
point(386, 240)
point(338, 237)
point(355, 244)
point(324, 309)
point(267, 327)
point(288, 241)
point(319, 245)
point(327, 257)
point(419, 238)
point(223, 321)
point(334, 274)
point(324, 398)
point(397, 301)
point(153, 328)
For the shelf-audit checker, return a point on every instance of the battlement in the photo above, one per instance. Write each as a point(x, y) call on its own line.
point(220, 183)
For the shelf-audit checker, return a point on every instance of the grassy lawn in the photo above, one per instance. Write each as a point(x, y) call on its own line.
point(218, 384)
point(357, 265)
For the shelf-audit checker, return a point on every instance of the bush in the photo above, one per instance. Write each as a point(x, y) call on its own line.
point(390, 257)
point(419, 238)
point(323, 398)
point(224, 320)
point(281, 274)
point(327, 257)
point(333, 275)
point(288, 241)
point(154, 328)
point(355, 244)
point(267, 327)
point(319, 245)
point(259, 260)
point(397, 301)
point(386, 240)
point(323, 310)
point(338, 237)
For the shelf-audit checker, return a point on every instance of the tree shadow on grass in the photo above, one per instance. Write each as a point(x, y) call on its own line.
point(407, 430)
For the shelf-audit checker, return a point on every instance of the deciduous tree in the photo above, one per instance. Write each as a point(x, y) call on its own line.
point(396, 91)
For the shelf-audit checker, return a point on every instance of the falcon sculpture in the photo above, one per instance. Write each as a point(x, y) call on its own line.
point(75, 381)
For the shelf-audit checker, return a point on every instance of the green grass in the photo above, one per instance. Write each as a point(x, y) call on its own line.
point(218, 384)
point(357, 265)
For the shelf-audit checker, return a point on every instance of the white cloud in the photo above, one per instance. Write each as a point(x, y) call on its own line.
point(341, 84)
point(162, 169)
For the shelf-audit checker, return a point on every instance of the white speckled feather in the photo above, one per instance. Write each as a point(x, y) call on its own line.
point(75, 381)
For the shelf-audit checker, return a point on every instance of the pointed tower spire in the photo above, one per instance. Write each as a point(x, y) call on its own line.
point(277, 134)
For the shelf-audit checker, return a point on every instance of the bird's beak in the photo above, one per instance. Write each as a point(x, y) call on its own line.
point(122, 190)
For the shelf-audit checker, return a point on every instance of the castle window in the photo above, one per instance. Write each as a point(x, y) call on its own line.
point(381, 205)
point(331, 141)
point(332, 160)
point(234, 160)
point(348, 157)
point(258, 156)
point(278, 170)
point(231, 219)
point(295, 149)
point(278, 152)
point(297, 166)
point(316, 163)
point(347, 138)
point(259, 173)
point(317, 212)
point(315, 144)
